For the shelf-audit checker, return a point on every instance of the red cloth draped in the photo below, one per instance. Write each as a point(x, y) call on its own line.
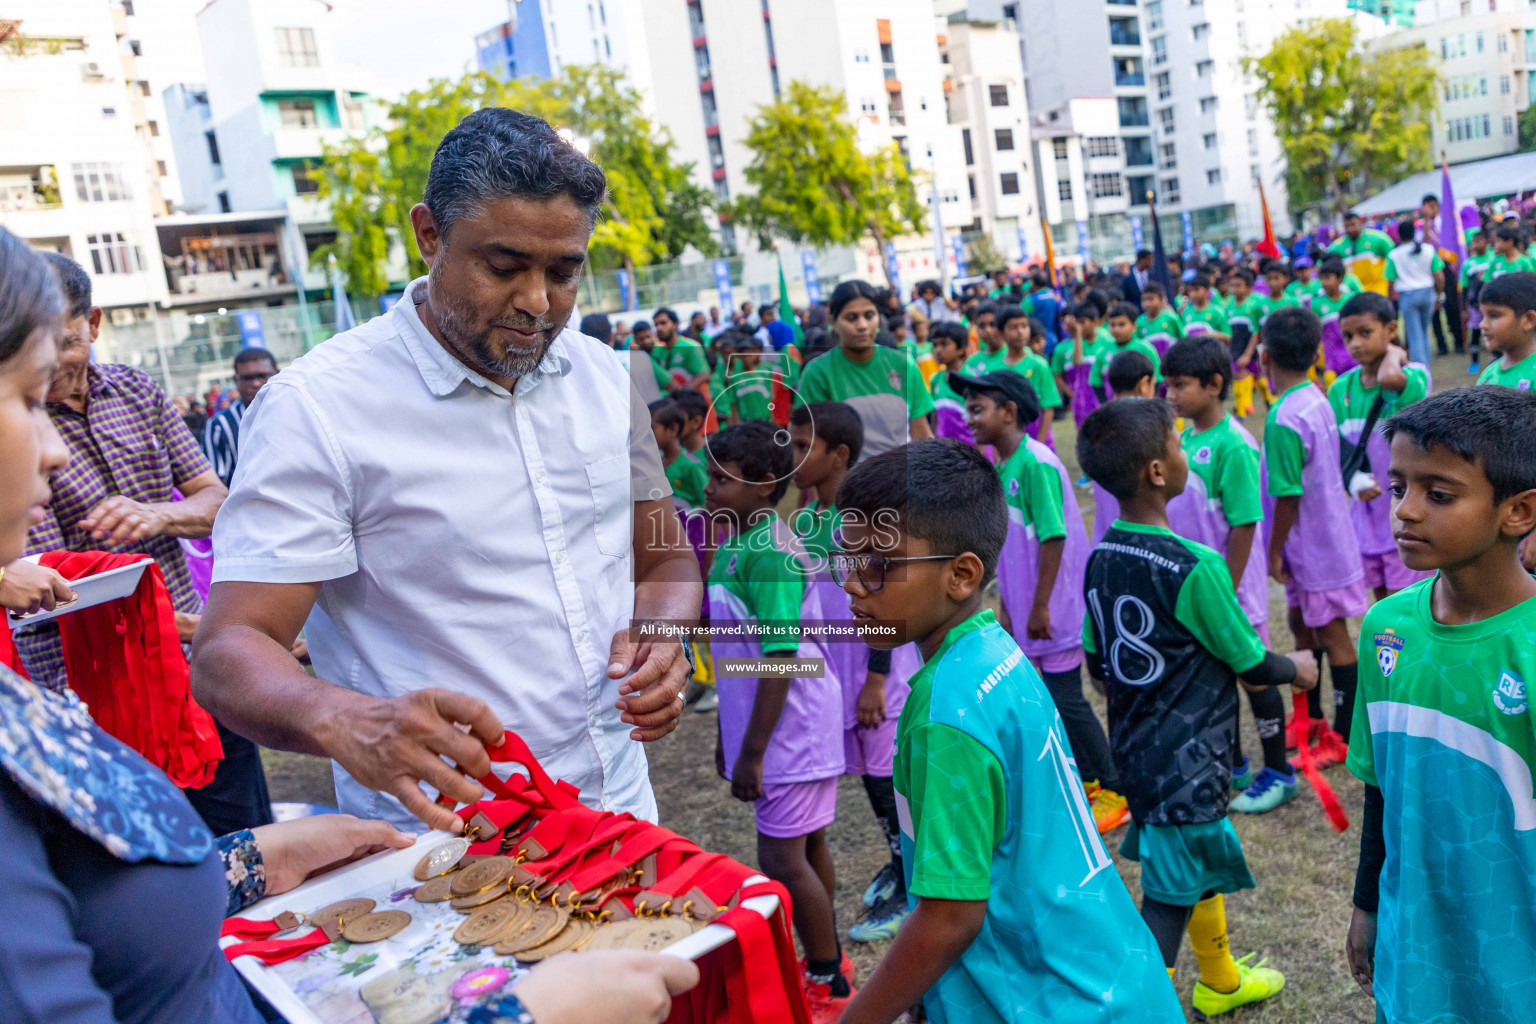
point(124, 659)
point(9, 656)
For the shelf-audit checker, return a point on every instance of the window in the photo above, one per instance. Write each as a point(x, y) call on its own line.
point(101, 183)
point(1209, 139)
point(114, 253)
point(1138, 187)
point(1165, 118)
point(1479, 41)
point(861, 56)
point(1253, 142)
point(1204, 68)
point(965, 139)
point(1138, 151)
point(1254, 173)
point(867, 105)
point(1160, 50)
point(1167, 157)
point(1009, 183)
point(1105, 186)
point(154, 129)
point(971, 181)
point(1251, 106)
point(224, 206)
point(1164, 83)
point(296, 48)
point(1503, 43)
point(297, 113)
point(304, 181)
point(1503, 82)
point(1059, 148)
point(135, 47)
point(1242, 34)
point(1207, 104)
point(1064, 190)
point(352, 110)
point(161, 170)
point(1170, 190)
point(1004, 138)
point(213, 147)
point(1213, 176)
point(1200, 31)
point(1133, 111)
point(1103, 145)
point(997, 95)
point(887, 54)
point(1509, 126)
point(1154, 15)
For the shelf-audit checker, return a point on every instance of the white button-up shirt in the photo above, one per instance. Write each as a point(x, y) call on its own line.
point(464, 537)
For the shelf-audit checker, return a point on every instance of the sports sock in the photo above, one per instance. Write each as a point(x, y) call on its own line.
point(881, 791)
point(1344, 679)
point(1269, 721)
point(829, 973)
point(1208, 938)
point(1242, 394)
point(1315, 695)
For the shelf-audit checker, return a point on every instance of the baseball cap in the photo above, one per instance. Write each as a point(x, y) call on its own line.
point(1013, 387)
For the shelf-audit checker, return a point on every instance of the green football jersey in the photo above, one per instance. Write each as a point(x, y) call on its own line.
point(992, 809)
point(1160, 331)
point(1443, 727)
point(1474, 266)
point(1304, 293)
point(749, 395)
point(1250, 313)
point(1498, 266)
point(687, 475)
point(1520, 375)
point(1031, 367)
point(982, 361)
point(1326, 307)
point(1211, 319)
point(886, 390)
point(1106, 353)
point(683, 359)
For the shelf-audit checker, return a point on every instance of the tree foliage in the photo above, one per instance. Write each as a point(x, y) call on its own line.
point(812, 184)
point(983, 256)
point(1527, 127)
point(1350, 120)
point(653, 211)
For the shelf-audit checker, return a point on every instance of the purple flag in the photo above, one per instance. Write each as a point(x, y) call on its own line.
point(1450, 220)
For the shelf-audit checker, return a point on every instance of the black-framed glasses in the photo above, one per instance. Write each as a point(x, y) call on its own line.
point(871, 569)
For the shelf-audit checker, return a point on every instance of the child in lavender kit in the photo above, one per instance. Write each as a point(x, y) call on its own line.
point(1318, 562)
point(950, 342)
point(1130, 375)
point(1040, 572)
point(780, 743)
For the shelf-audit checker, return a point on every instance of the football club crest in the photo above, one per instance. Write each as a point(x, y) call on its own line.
point(1203, 455)
point(1509, 694)
point(730, 568)
point(1523, 385)
point(1013, 488)
point(895, 378)
point(1388, 646)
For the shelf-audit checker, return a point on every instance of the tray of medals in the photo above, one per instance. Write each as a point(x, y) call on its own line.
point(424, 934)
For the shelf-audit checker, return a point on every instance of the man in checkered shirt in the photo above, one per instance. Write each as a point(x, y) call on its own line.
point(128, 449)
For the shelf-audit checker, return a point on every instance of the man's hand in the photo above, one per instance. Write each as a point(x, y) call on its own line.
point(1306, 670)
point(119, 520)
point(871, 703)
point(29, 588)
point(1277, 569)
point(1360, 947)
point(616, 987)
point(186, 626)
point(394, 744)
point(292, 851)
point(651, 699)
point(747, 777)
point(1040, 622)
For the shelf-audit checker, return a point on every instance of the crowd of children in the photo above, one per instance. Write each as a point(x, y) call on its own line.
point(992, 799)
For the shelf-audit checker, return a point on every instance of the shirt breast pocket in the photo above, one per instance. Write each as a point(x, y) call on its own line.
point(611, 506)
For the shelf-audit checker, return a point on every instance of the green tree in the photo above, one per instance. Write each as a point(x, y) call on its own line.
point(813, 185)
point(1350, 120)
point(983, 257)
point(652, 213)
point(1527, 126)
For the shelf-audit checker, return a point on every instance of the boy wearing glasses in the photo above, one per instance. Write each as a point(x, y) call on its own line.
point(221, 434)
point(1018, 912)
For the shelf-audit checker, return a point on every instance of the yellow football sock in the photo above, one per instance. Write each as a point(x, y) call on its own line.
point(1208, 938)
point(1170, 973)
point(1242, 396)
point(1264, 389)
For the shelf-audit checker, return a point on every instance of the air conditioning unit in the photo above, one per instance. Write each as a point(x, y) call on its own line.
point(91, 69)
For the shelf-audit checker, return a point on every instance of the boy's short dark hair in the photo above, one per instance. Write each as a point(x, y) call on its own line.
point(1127, 369)
point(1037, 329)
point(943, 490)
point(75, 282)
point(669, 312)
point(1204, 359)
point(1119, 438)
point(984, 307)
point(1277, 267)
point(691, 402)
point(950, 330)
point(1291, 337)
point(1508, 233)
point(1200, 281)
point(668, 413)
point(1087, 311)
point(836, 423)
point(1517, 291)
point(1124, 309)
point(1008, 313)
point(759, 448)
point(1491, 427)
point(639, 325)
point(1153, 288)
point(1331, 265)
point(1099, 298)
point(1371, 304)
point(1246, 274)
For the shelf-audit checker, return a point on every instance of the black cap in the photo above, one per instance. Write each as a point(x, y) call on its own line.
point(1013, 387)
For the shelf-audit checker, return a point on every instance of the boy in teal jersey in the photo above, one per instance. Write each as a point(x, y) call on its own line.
point(987, 333)
point(1442, 928)
point(685, 473)
point(1509, 327)
point(1166, 634)
point(1203, 317)
point(1304, 286)
point(1158, 325)
point(1121, 324)
point(1018, 912)
point(1019, 356)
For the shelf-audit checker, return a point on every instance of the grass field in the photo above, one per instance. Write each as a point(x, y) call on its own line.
point(1305, 871)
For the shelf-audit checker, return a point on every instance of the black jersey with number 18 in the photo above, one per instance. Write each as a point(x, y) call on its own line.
point(1165, 632)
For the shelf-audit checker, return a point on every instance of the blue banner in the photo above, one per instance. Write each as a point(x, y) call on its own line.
point(1189, 231)
point(893, 266)
point(1138, 239)
point(723, 286)
point(1083, 249)
point(1023, 245)
point(958, 246)
point(812, 280)
point(626, 291)
point(388, 302)
point(251, 333)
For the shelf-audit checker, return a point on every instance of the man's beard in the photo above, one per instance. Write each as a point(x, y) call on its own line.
point(459, 330)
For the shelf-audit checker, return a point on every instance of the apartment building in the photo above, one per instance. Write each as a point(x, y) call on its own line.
point(540, 37)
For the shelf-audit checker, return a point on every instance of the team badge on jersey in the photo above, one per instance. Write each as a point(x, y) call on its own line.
point(730, 568)
point(1203, 455)
point(1523, 385)
point(895, 378)
point(1388, 645)
point(1509, 694)
point(1013, 488)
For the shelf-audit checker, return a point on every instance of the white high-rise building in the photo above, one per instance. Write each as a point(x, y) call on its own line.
point(73, 166)
point(542, 36)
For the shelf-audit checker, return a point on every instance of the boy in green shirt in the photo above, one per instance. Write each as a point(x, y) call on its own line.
point(685, 473)
point(1473, 275)
point(1122, 335)
point(1018, 912)
point(1019, 356)
point(950, 341)
point(1509, 327)
point(696, 408)
point(1204, 317)
point(1158, 325)
point(1507, 257)
point(1249, 309)
point(748, 395)
point(682, 358)
point(985, 322)
point(1442, 928)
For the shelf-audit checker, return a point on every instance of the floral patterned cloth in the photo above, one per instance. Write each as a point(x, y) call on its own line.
point(53, 750)
point(244, 872)
point(503, 1009)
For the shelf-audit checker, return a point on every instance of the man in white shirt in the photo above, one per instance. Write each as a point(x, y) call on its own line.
point(467, 505)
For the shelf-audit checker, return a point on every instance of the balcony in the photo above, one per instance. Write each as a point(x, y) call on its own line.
point(223, 258)
point(1128, 79)
point(25, 189)
point(1133, 112)
point(1138, 151)
point(1124, 32)
point(304, 143)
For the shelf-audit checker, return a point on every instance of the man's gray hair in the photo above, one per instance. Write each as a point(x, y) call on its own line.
point(496, 153)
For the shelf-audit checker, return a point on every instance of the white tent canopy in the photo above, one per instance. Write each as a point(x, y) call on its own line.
point(1480, 179)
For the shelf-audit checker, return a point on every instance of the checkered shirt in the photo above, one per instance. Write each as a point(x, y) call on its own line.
point(130, 441)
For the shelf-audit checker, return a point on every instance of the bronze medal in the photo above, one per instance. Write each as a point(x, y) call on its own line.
point(649, 934)
point(341, 910)
point(568, 938)
point(483, 926)
point(435, 890)
point(482, 875)
point(374, 927)
point(541, 926)
point(441, 859)
point(465, 904)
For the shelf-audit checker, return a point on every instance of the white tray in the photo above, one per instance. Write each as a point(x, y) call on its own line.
point(321, 988)
point(91, 591)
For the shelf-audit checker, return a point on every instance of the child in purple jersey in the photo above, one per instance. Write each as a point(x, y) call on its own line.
point(781, 740)
point(826, 438)
point(1040, 572)
point(1083, 328)
point(950, 342)
point(1318, 562)
point(1129, 376)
